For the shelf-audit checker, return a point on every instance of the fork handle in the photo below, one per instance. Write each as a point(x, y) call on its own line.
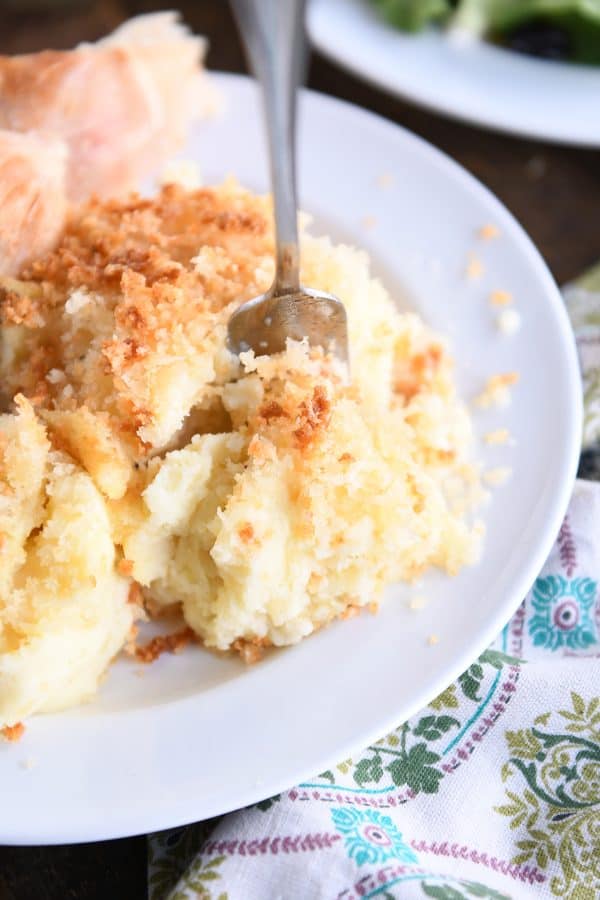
point(273, 35)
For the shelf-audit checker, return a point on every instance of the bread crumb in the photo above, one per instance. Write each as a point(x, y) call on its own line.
point(28, 763)
point(246, 532)
point(508, 322)
point(433, 639)
point(498, 436)
point(139, 671)
point(496, 391)
point(501, 298)
point(385, 180)
point(350, 612)
point(488, 232)
point(475, 267)
point(368, 222)
point(135, 595)
point(418, 602)
point(373, 608)
point(13, 733)
point(251, 651)
point(496, 477)
point(164, 643)
point(125, 567)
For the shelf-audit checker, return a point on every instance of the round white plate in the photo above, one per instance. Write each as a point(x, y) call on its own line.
point(468, 79)
point(196, 735)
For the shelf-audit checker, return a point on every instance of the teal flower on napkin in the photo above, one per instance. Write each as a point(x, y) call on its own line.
point(563, 613)
point(370, 837)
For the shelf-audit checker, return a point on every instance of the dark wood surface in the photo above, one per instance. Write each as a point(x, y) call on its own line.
point(553, 191)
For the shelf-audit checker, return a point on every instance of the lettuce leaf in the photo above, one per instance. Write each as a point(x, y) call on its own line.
point(579, 19)
point(499, 16)
point(413, 15)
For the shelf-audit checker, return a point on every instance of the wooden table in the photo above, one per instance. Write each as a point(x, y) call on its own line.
point(553, 191)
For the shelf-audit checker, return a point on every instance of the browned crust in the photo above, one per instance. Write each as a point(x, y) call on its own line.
point(13, 733)
point(251, 650)
point(313, 418)
point(164, 643)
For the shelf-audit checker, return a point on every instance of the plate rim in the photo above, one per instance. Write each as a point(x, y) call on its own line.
point(441, 104)
point(159, 817)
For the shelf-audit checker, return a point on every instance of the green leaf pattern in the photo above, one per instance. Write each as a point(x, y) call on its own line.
point(553, 800)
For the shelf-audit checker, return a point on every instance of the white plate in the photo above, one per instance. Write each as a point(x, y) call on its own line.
point(198, 735)
point(470, 80)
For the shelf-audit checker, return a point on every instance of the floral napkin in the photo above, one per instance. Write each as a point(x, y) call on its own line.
point(491, 791)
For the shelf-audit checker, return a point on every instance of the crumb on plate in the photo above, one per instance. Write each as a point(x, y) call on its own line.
point(475, 267)
point(501, 298)
point(497, 390)
point(433, 639)
point(385, 180)
point(488, 232)
point(13, 733)
point(497, 436)
point(418, 601)
point(508, 322)
point(164, 643)
point(497, 476)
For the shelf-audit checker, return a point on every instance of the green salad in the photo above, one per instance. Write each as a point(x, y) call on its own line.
point(553, 29)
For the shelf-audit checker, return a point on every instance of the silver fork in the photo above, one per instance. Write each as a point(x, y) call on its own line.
point(273, 34)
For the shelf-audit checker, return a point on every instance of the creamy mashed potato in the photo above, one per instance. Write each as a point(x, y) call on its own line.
point(261, 496)
point(63, 608)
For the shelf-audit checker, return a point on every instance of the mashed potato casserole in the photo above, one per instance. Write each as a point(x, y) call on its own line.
point(143, 467)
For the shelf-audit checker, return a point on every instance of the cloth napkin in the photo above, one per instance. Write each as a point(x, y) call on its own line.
point(491, 791)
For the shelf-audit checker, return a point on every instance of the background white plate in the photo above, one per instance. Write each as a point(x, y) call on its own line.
point(474, 81)
point(198, 735)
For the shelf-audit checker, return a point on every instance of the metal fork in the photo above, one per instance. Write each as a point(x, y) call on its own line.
point(273, 34)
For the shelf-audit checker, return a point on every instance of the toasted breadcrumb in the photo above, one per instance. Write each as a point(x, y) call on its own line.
point(501, 298)
point(488, 232)
point(498, 436)
point(498, 476)
point(475, 267)
point(418, 602)
point(125, 567)
point(373, 608)
point(350, 612)
point(30, 762)
point(251, 651)
point(496, 391)
point(13, 733)
point(246, 532)
point(135, 595)
point(433, 639)
point(164, 643)
point(385, 180)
